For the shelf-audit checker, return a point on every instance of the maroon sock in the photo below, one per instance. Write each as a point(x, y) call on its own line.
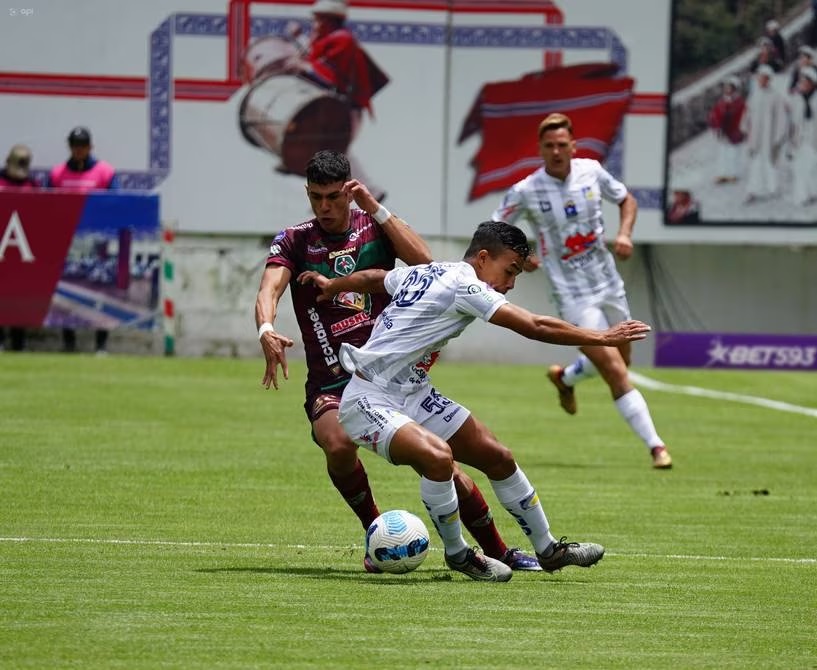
point(477, 518)
point(355, 490)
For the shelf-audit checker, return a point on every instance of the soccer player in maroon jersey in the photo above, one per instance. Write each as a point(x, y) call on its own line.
point(339, 240)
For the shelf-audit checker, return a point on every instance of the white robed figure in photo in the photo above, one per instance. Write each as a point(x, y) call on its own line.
point(804, 138)
point(765, 124)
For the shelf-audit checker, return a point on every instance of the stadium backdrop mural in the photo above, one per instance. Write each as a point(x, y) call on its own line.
point(184, 99)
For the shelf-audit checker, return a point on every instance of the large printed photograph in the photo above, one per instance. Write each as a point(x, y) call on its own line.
point(742, 127)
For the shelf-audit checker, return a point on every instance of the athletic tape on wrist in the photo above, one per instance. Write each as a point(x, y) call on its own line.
point(381, 215)
point(265, 327)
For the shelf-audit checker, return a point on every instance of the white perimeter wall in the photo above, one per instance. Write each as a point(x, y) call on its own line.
point(722, 288)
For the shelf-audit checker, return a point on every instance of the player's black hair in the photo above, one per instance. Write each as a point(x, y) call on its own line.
point(328, 167)
point(495, 237)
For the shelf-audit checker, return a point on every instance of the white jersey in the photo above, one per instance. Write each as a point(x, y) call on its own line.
point(430, 305)
point(566, 219)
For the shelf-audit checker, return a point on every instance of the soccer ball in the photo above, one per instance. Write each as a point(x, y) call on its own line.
point(397, 541)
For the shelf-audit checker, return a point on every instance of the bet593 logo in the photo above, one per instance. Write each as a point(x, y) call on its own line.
point(759, 355)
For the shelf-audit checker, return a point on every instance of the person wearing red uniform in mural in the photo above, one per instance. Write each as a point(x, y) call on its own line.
point(332, 58)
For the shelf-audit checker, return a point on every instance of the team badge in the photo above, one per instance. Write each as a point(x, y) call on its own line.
point(359, 302)
point(344, 265)
point(570, 208)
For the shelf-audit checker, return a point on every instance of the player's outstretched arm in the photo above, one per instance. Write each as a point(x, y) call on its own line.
point(363, 281)
point(555, 331)
point(273, 284)
point(408, 245)
point(623, 244)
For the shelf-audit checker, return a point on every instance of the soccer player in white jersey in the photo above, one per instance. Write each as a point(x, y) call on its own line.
point(391, 408)
point(562, 202)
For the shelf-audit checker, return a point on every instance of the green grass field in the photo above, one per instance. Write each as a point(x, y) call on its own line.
point(161, 513)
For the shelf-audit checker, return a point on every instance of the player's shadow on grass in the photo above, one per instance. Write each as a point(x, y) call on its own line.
point(337, 573)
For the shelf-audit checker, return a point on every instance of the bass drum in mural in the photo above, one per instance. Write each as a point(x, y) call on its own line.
point(293, 118)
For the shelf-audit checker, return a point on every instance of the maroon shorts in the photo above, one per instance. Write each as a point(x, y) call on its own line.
point(317, 404)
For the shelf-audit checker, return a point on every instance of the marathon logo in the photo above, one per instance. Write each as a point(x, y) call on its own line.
point(329, 355)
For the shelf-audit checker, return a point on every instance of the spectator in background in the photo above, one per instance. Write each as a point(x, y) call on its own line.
point(805, 58)
point(16, 175)
point(766, 55)
point(773, 33)
point(804, 138)
point(724, 120)
point(83, 172)
point(765, 124)
point(17, 172)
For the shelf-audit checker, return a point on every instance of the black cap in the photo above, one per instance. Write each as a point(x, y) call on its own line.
point(79, 136)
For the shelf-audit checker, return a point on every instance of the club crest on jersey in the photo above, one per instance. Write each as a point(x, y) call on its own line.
point(474, 288)
point(359, 302)
point(344, 265)
point(587, 191)
point(570, 209)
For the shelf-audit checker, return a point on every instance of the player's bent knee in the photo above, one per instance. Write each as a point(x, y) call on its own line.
point(436, 461)
point(339, 450)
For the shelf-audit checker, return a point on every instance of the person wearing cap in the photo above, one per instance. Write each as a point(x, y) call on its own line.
point(82, 172)
point(804, 138)
point(724, 120)
point(17, 172)
point(772, 31)
point(765, 124)
point(766, 55)
point(16, 175)
point(684, 207)
point(333, 59)
point(805, 58)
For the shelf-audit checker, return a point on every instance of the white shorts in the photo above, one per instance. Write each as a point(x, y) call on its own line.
point(599, 312)
point(371, 416)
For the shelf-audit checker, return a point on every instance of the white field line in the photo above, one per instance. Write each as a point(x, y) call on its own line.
point(655, 385)
point(263, 545)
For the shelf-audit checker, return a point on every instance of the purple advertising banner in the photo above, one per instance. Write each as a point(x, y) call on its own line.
point(736, 351)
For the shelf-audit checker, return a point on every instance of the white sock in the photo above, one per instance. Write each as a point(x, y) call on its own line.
point(440, 499)
point(520, 499)
point(578, 371)
point(633, 408)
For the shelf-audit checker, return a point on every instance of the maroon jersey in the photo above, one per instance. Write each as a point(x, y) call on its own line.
point(348, 317)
